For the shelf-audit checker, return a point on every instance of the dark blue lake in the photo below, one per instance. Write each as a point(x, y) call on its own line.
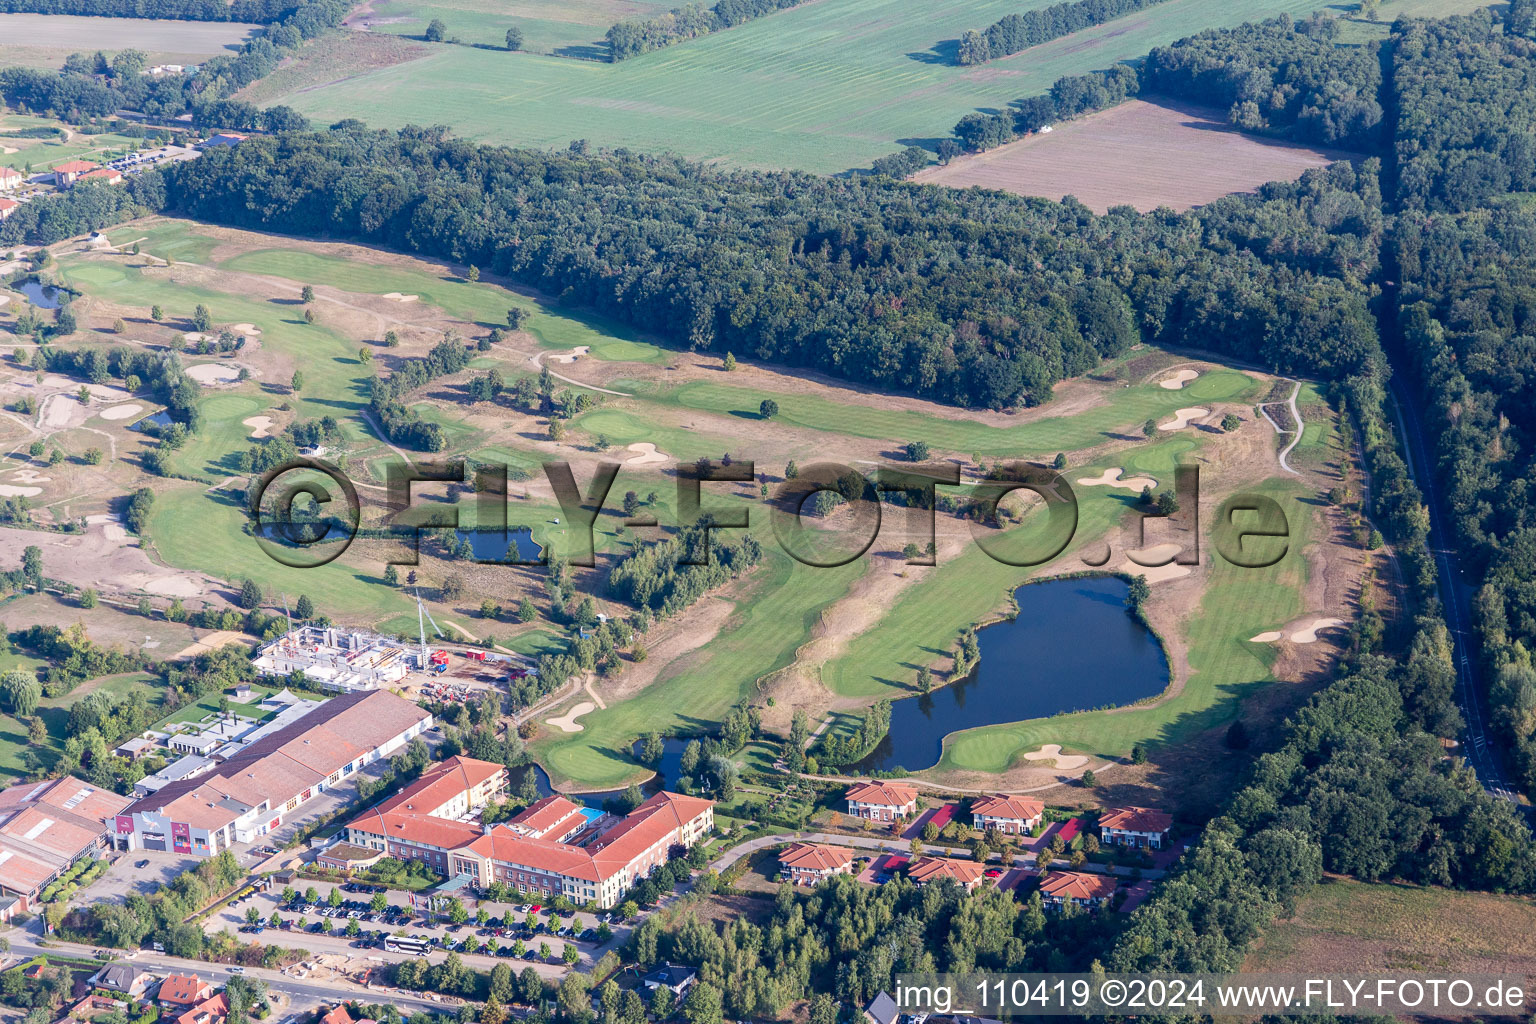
point(156, 420)
point(498, 546)
point(1073, 647)
point(43, 296)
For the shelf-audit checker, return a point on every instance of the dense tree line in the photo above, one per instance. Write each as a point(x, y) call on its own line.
point(1467, 97)
point(1070, 96)
point(838, 749)
point(89, 206)
point(259, 11)
point(665, 577)
point(387, 394)
point(973, 297)
point(642, 35)
point(1014, 32)
point(1278, 75)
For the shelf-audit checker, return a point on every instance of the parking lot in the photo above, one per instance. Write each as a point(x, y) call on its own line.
point(511, 932)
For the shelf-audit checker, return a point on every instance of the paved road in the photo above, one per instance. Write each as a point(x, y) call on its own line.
point(1456, 594)
point(300, 993)
point(901, 846)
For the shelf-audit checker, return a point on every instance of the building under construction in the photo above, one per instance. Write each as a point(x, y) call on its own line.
point(337, 659)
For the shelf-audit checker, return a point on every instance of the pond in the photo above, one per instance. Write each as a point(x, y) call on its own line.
point(43, 296)
point(153, 423)
point(1073, 647)
point(497, 545)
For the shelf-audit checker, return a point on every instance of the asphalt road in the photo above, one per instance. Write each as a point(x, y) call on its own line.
point(1456, 594)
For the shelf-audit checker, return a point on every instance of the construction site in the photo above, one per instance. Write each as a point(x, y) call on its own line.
point(345, 660)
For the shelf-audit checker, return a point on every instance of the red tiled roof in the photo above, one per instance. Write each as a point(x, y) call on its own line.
point(417, 828)
point(8, 204)
point(1077, 885)
point(1136, 819)
point(9, 172)
point(890, 794)
point(183, 989)
point(338, 1016)
point(104, 172)
point(1022, 808)
point(214, 1008)
point(542, 817)
point(816, 856)
point(75, 167)
point(926, 869)
point(440, 784)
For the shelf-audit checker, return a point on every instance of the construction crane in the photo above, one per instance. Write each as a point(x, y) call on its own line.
point(421, 630)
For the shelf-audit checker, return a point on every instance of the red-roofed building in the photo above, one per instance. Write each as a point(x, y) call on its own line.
point(1011, 815)
point(420, 822)
point(338, 1016)
point(601, 869)
point(881, 801)
point(180, 991)
point(110, 175)
point(553, 817)
point(8, 207)
point(67, 172)
point(10, 178)
point(213, 1010)
point(809, 863)
point(45, 828)
point(1082, 888)
point(1136, 827)
point(967, 873)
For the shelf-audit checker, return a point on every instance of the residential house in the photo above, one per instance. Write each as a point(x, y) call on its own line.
point(1011, 815)
point(809, 863)
point(213, 1010)
point(339, 1015)
point(125, 978)
point(8, 207)
point(882, 801)
point(882, 1009)
point(92, 1006)
point(1135, 827)
point(1080, 888)
point(134, 749)
point(110, 175)
point(10, 178)
point(672, 976)
point(967, 873)
point(182, 991)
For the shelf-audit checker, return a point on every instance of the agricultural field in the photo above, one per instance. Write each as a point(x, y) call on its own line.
point(44, 40)
point(568, 28)
point(1348, 927)
point(822, 87)
point(1143, 154)
point(787, 635)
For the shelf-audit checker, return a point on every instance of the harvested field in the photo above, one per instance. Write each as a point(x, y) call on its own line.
point(204, 38)
point(1141, 154)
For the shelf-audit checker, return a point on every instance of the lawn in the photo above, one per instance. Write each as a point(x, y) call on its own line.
point(770, 623)
point(572, 28)
point(55, 711)
point(1224, 666)
point(1126, 412)
point(822, 87)
point(209, 707)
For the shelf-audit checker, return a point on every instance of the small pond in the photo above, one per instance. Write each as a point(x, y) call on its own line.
point(43, 296)
point(497, 546)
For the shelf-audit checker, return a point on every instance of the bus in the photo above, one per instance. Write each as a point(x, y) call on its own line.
point(418, 947)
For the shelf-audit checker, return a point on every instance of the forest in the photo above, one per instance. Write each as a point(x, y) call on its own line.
point(1015, 32)
point(262, 12)
point(874, 280)
point(642, 35)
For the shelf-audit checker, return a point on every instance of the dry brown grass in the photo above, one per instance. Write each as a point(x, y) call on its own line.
point(1140, 154)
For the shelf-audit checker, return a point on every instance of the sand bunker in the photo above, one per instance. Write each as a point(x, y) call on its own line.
point(12, 491)
point(261, 426)
point(1183, 418)
point(571, 356)
point(567, 722)
point(1052, 752)
point(401, 298)
point(1155, 573)
point(197, 336)
point(1178, 380)
point(32, 476)
point(121, 412)
point(1268, 637)
point(648, 456)
point(1308, 634)
point(245, 328)
point(214, 373)
point(1111, 478)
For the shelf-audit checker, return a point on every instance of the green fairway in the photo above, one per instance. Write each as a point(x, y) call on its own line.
point(1239, 603)
point(922, 625)
point(821, 87)
point(1126, 410)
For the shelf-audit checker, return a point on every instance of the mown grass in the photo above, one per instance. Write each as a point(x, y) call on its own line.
point(822, 87)
point(1125, 412)
point(548, 26)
